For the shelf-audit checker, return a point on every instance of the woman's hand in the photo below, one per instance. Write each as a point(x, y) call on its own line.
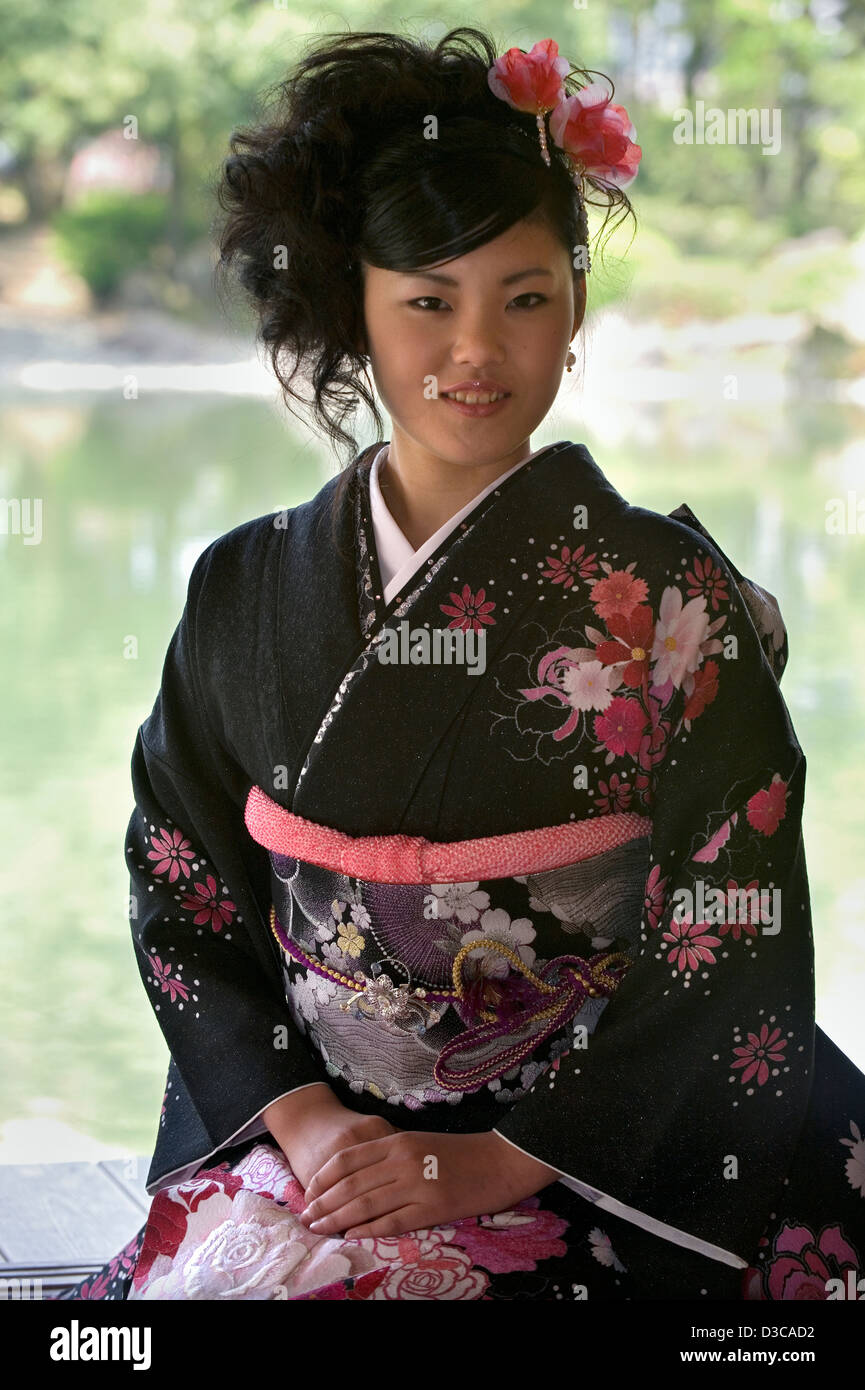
point(412, 1180)
point(311, 1126)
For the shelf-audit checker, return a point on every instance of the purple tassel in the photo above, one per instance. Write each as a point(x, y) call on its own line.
point(508, 998)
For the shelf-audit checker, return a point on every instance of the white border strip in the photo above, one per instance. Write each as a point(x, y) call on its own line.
point(641, 1218)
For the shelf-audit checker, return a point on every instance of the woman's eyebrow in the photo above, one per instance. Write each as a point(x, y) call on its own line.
point(506, 280)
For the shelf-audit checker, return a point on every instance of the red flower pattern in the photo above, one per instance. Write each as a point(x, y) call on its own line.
point(656, 895)
point(621, 726)
point(618, 594)
point(758, 1053)
point(208, 907)
point(635, 634)
point(170, 986)
point(767, 809)
point(705, 680)
point(469, 610)
point(570, 565)
point(754, 914)
point(616, 795)
point(171, 849)
point(704, 577)
point(690, 944)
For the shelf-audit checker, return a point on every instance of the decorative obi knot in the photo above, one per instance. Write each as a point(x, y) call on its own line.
point(532, 1005)
point(527, 1006)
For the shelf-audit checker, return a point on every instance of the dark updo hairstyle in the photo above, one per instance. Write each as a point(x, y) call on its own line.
point(339, 170)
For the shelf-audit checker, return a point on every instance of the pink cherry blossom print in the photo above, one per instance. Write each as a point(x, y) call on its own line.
point(602, 1249)
point(758, 1052)
point(736, 907)
point(679, 632)
point(855, 1165)
point(690, 944)
point(589, 684)
point(170, 986)
point(656, 894)
point(171, 849)
point(208, 906)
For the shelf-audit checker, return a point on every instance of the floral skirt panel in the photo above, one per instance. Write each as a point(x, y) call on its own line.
point(233, 1232)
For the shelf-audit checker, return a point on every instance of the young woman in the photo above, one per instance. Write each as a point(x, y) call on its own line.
point(467, 865)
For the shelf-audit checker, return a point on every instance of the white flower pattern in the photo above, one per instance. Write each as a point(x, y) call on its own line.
point(497, 924)
point(464, 901)
point(855, 1165)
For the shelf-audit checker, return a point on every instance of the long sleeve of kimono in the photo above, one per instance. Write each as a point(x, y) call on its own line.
point(197, 886)
point(682, 1111)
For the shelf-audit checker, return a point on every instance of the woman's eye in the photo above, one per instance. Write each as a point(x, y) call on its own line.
point(532, 294)
point(434, 299)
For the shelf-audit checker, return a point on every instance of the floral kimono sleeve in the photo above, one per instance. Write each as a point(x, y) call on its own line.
point(682, 1111)
point(197, 882)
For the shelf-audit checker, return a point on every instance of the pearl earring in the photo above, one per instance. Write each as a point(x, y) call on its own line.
point(570, 360)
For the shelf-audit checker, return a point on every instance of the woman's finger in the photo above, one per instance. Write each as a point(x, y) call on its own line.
point(348, 1160)
point(355, 1184)
point(346, 1209)
point(394, 1223)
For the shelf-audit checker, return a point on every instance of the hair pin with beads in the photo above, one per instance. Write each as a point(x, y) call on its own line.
point(595, 134)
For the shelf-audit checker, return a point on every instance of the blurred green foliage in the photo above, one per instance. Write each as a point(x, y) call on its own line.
point(107, 235)
point(189, 74)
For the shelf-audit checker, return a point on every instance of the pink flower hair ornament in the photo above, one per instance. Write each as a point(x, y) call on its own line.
point(595, 135)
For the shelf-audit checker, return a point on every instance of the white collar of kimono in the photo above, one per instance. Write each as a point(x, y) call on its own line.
point(397, 560)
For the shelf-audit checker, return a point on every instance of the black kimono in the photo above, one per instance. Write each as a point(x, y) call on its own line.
point(543, 876)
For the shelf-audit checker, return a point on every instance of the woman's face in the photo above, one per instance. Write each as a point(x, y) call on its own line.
point(505, 311)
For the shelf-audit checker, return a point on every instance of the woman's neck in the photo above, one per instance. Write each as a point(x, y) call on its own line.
point(422, 495)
